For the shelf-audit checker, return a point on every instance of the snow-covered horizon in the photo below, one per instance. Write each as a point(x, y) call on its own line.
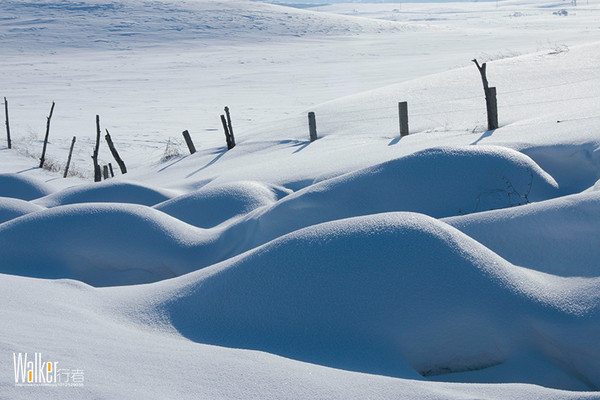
point(452, 263)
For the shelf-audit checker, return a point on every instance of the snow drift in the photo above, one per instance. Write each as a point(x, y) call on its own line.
point(414, 294)
point(213, 205)
point(102, 244)
point(559, 236)
point(112, 191)
point(22, 187)
point(439, 182)
point(12, 208)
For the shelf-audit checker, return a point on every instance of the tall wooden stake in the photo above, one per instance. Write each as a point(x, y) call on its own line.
point(7, 124)
point(69, 159)
point(231, 137)
point(105, 172)
point(490, 98)
point(188, 141)
point(312, 126)
point(97, 170)
point(112, 173)
point(114, 152)
point(43, 158)
point(403, 116)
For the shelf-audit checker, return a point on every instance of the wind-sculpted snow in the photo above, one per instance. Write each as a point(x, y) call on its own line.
point(413, 294)
point(12, 208)
point(107, 192)
point(439, 182)
point(22, 187)
point(103, 245)
point(559, 236)
point(212, 205)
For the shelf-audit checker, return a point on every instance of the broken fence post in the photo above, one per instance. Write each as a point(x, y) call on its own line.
point(403, 117)
point(231, 137)
point(105, 172)
point(97, 170)
point(112, 173)
point(188, 141)
point(118, 159)
point(69, 159)
point(7, 124)
point(312, 126)
point(43, 157)
point(490, 98)
point(230, 143)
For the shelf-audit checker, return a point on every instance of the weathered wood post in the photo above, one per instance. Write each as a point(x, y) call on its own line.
point(231, 137)
point(312, 126)
point(188, 141)
point(7, 124)
point(43, 158)
point(105, 172)
point(114, 152)
point(490, 98)
point(69, 159)
point(403, 117)
point(230, 143)
point(97, 170)
point(112, 173)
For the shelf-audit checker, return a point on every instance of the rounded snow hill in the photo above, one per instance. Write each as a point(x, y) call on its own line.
point(559, 236)
point(213, 205)
point(22, 187)
point(111, 191)
point(414, 294)
point(12, 208)
point(103, 245)
point(439, 182)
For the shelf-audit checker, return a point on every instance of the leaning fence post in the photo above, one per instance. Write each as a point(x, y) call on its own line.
point(69, 158)
point(188, 141)
point(112, 173)
point(312, 126)
point(43, 158)
point(7, 124)
point(231, 137)
point(105, 172)
point(403, 117)
point(230, 143)
point(113, 150)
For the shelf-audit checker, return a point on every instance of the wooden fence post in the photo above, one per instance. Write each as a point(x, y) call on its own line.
point(43, 158)
point(118, 159)
point(7, 124)
point(403, 118)
point(112, 173)
point(230, 143)
point(69, 159)
point(490, 98)
point(312, 126)
point(188, 141)
point(105, 172)
point(231, 137)
point(97, 170)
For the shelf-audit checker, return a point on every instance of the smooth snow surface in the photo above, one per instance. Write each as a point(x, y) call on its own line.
point(452, 263)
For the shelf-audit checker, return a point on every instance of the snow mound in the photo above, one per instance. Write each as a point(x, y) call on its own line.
point(213, 205)
point(413, 295)
point(12, 208)
point(439, 182)
point(101, 244)
point(107, 192)
point(22, 187)
point(559, 236)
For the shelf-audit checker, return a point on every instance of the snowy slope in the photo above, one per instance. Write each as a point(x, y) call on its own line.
point(283, 268)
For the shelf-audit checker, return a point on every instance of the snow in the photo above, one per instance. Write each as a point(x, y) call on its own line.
point(452, 263)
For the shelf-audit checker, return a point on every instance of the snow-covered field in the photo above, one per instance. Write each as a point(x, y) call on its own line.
point(455, 262)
